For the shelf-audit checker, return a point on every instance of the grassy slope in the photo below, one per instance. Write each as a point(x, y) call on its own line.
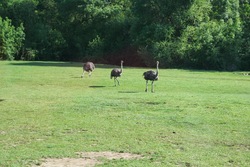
point(194, 118)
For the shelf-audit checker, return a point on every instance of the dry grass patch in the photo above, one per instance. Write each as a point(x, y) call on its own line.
point(87, 159)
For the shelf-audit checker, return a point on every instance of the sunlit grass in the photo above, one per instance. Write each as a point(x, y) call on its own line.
point(194, 118)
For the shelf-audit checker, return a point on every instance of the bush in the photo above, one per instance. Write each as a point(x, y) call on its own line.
point(29, 54)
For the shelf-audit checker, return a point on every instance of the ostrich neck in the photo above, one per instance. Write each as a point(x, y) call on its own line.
point(157, 70)
point(121, 67)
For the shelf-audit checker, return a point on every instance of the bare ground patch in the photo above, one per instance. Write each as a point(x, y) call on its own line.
point(86, 159)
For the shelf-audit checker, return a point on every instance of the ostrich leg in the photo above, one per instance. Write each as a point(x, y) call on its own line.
point(114, 80)
point(146, 86)
point(83, 74)
point(90, 73)
point(118, 82)
point(152, 86)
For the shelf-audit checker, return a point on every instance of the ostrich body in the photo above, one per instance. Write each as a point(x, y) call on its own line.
point(116, 72)
point(88, 67)
point(151, 76)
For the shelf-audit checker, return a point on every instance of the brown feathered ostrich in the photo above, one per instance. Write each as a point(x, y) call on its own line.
point(88, 67)
point(151, 76)
point(116, 72)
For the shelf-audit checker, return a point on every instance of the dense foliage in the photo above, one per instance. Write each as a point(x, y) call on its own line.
point(205, 34)
point(10, 39)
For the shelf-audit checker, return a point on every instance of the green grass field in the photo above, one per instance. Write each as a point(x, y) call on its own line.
point(194, 118)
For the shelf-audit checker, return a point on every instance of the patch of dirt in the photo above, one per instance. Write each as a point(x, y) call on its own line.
point(69, 162)
point(87, 159)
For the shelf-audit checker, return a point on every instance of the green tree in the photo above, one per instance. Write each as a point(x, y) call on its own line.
point(200, 34)
point(93, 28)
point(156, 27)
point(154, 21)
point(212, 40)
point(245, 44)
point(197, 33)
point(11, 39)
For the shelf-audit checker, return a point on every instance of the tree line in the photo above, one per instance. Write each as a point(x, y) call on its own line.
point(202, 34)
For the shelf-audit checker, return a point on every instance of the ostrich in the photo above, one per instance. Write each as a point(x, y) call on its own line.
point(116, 72)
point(88, 67)
point(152, 76)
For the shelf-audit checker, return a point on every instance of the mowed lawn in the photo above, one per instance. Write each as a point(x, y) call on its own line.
point(194, 118)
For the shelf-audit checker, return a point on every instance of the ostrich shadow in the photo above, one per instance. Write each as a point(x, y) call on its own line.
point(128, 91)
point(97, 86)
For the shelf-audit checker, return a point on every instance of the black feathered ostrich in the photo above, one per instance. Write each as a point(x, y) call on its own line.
point(152, 76)
point(88, 67)
point(116, 72)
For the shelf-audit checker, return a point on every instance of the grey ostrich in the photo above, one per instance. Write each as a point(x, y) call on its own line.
point(116, 72)
point(152, 76)
point(88, 67)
